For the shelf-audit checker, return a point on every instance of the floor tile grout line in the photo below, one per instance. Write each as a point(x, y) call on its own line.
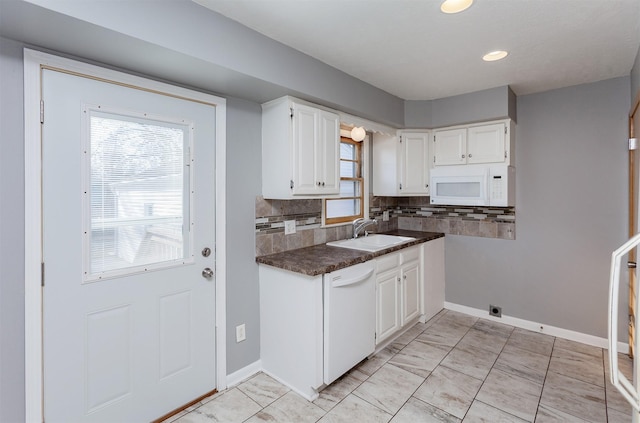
point(544, 381)
point(388, 362)
point(485, 380)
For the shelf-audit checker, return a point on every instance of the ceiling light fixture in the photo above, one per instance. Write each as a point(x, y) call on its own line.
point(358, 133)
point(455, 6)
point(494, 55)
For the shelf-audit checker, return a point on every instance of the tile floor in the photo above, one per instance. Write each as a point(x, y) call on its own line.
point(453, 368)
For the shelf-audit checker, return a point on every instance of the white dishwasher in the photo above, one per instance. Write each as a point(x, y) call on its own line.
point(349, 318)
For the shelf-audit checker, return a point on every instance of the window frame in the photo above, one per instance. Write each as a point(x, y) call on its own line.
point(360, 145)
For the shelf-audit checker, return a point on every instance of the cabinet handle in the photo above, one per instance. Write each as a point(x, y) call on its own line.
point(463, 156)
point(404, 277)
point(469, 155)
point(318, 183)
point(323, 184)
point(426, 185)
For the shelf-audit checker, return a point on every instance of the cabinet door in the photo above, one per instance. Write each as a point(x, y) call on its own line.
point(415, 164)
point(410, 280)
point(305, 136)
point(387, 302)
point(450, 147)
point(487, 144)
point(385, 165)
point(328, 154)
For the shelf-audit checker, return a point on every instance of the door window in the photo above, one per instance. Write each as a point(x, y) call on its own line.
point(136, 194)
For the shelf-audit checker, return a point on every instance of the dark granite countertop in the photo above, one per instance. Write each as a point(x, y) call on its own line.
point(321, 259)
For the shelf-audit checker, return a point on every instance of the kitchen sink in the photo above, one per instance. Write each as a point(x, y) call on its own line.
point(372, 243)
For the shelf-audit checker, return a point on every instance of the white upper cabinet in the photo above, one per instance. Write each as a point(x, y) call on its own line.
point(450, 147)
point(415, 163)
point(482, 143)
point(487, 144)
point(300, 150)
point(401, 164)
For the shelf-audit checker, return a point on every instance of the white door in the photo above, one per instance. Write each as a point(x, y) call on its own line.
point(128, 208)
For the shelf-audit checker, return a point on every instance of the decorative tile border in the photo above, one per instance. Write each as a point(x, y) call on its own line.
point(413, 213)
point(416, 213)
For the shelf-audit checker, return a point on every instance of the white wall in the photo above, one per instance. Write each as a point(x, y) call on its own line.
point(571, 211)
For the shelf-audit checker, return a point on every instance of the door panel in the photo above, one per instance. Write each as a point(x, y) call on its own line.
point(128, 318)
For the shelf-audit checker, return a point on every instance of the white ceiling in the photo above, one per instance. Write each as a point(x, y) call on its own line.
point(412, 50)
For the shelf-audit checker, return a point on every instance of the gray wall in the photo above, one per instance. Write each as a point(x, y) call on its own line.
point(244, 173)
point(571, 208)
point(494, 103)
point(11, 233)
point(635, 78)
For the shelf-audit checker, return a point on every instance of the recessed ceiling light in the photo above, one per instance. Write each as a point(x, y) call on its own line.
point(494, 55)
point(455, 6)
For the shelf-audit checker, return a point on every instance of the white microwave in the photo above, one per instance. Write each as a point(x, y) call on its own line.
point(473, 185)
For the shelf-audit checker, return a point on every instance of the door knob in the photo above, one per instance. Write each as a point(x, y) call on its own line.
point(207, 273)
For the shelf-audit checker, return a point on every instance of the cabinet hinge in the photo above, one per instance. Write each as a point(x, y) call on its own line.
point(400, 139)
point(291, 184)
point(505, 154)
point(505, 130)
point(291, 112)
point(42, 274)
point(633, 144)
point(400, 186)
point(41, 111)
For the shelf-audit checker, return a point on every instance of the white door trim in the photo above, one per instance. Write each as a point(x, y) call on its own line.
point(33, 62)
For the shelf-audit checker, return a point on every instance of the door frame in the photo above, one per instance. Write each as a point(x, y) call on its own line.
point(34, 62)
point(633, 226)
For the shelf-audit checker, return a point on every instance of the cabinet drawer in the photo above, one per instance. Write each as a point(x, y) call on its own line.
point(387, 262)
point(409, 254)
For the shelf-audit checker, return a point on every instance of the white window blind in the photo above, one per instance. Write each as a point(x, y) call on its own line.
point(138, 195)
point(349, 206)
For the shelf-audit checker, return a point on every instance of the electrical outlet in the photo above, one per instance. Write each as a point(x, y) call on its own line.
point(289, 227)
point(241, 335)
point(385, 216)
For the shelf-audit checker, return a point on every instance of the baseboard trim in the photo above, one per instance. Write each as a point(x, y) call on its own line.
point(538, 327)
point(244, 373)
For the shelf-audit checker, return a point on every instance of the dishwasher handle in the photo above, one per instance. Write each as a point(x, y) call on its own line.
point(351, 281)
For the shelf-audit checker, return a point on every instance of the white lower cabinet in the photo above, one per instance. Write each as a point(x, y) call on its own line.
point(399, 291)
point(433, 278)
point(315, 328)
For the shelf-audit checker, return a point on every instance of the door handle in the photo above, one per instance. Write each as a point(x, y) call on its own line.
point(631, 264)
point(207, 273)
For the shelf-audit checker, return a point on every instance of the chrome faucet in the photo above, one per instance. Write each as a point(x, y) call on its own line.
point(360, 224)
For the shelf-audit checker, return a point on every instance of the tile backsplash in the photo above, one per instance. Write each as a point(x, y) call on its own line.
point(413, 213)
